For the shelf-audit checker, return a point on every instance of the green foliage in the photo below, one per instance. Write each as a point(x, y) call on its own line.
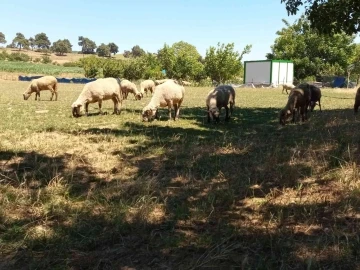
point(103, 50)
point(223, 63)
point(136, 51)
point(42, 41)
point(20, 40)
point(113, 68)
point(87, 46)
point(329, 16)
point(2, 37)
point(134, 69)
point(37, 60)
point(62, 46)
point(72, 64)
point(312, 53)
point(114, 49)
point(21, 57)
point(32, 43)
point(92, 66)
point(45, 59)
point(153, 69)
point(37, 68)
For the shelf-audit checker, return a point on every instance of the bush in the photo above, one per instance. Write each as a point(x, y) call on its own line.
point(92, 66)
point(113, 68)
point(45, 59)
point(21, 57)
point(37, 60)
point(4, 55)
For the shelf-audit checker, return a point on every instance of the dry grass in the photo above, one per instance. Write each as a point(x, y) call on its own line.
point(111, 192)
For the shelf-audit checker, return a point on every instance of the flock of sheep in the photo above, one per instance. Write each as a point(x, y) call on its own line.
point(170, 93)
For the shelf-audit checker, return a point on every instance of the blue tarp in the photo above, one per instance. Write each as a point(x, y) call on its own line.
point(60, 80)
point(339, 82)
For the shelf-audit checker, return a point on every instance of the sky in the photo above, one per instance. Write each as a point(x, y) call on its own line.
point(150, 24)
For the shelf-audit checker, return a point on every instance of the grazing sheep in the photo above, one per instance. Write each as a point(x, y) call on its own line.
point(158, 82)
point(296, 102)
point(147, 85)
point(43, 83)
point(221, 96)
point(357, 101)
point(315, 97)
point(129, 87)
point(287, 86)
point(98, 91)
point(167, 94)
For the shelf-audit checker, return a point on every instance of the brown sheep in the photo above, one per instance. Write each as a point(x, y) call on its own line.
point(296, 102)
point(221, 96)
point(315, 97)
point(40, 84)
point(357, 101)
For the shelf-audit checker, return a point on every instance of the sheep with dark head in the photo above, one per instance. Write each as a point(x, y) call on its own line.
point(315, 97)
point(221, 96)
point(297, 102)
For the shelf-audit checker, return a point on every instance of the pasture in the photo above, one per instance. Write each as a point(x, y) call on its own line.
point(112, 192)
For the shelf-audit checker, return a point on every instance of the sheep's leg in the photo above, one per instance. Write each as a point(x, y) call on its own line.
point(38, 94)
point(208, 115)
point(100, 106)
point(320, 105)
point(227, 117)
point(116, 105)
point(86, 108)
point(176, 112)
point(169, 109)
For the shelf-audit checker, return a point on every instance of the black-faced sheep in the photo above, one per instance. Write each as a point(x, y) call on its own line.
point(357, 101)
point(221, 96)
point(98, 91)
point(129, 87)
point(296, 102)
point(315, 97)
point(147, 85)
point(287, 86)
point(168, 94)
point(40, 84)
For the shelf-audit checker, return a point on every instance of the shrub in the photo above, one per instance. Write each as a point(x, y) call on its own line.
point(72, 64)
point(113, 68)
point(22, 57)
point(37, 60)
point(45, 59)
point(92, 66)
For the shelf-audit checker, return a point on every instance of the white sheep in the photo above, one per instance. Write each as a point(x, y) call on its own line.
point(158, 82)
point(167, 94)
point(40, 84)
point(129, 87)
point(221, 96)
point(287, 86)
point(185, 83)
point(98, 91)
point(147, 85)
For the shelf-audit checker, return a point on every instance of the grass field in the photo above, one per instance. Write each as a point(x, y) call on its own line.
point(39, 69)
point(112, 192)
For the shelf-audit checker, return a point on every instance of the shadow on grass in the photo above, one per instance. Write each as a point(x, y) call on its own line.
point(225, 195)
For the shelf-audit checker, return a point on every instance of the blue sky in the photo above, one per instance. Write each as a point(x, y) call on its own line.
point(150, 24)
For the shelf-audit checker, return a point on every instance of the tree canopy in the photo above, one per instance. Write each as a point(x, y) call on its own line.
point(313, 54)
point(114, 49)
point(2, 38)
point(87, 45)
point(42, 41)
point(20, 40)
point(329, 16)
point(103, 50)
point(62, 46)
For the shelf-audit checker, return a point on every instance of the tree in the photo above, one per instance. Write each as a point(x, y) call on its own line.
point(62, 46)
point(113, 48)
point(312, 53)
point(223, 63)
point(329, 16)
point(20, 40)
point(127, 54)
point(42, 41)
point(32, 43)
point(2, 38)
point(136, 51)
point(87, 46)
point(103, 50)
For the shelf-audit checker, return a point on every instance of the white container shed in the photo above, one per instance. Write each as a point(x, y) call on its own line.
point(273, 72)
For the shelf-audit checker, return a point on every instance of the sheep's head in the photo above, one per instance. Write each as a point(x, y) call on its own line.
point(214, 114)
point(27, 93)
point(76, 109)
point(283, 116)
point(148, 114)
point(139, 95)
